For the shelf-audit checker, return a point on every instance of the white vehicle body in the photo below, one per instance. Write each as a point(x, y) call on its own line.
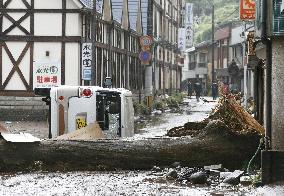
point(111, 108)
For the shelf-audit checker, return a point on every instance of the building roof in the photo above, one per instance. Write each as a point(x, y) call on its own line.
point(117, 7)
point(89, 4)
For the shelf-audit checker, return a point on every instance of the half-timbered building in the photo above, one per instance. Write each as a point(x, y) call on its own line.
point(54, 32)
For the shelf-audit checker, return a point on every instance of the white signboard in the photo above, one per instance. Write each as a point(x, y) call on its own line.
point(46, 74)
point(189, 25)
point(181, 39)
point(86, 61)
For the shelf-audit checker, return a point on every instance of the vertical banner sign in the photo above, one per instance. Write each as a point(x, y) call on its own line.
point(46, 74)
point(86, 61)
point(247, 10)
point(188, 25)
point(181, 39)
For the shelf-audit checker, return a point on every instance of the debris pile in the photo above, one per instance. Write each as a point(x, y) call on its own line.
point(230, 112)
point(213, 175)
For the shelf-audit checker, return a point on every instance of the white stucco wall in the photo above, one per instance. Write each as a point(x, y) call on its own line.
point(17, 4)
point(48, 4)
point(54, 49)
point(48, 24)
point(72, 64)
point(73, 4)
point(73, 25)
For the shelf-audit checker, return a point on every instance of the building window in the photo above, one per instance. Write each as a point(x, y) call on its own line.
point(202, 58)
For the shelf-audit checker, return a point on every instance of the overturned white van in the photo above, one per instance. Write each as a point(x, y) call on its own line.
point(74, 107)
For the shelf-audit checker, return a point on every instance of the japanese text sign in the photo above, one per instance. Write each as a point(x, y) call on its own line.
point(189, 25)
point(46, 74)
point(86, 61)
point(247, 10)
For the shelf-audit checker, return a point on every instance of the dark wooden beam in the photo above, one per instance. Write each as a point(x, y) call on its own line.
point(1, 66)
point(16, 23)
point(16, 65)
point(40, 38)
point(7, 3)
point(27, 4)
point(63, 46)
point(31, 66)
point(4, 10)
point(32, 21)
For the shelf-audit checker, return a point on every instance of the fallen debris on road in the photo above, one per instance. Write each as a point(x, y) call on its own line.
point(232, 115)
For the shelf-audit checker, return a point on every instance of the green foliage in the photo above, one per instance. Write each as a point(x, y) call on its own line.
point(174, 100)
point(160, 105)
point(140, 109)
point(225, 11)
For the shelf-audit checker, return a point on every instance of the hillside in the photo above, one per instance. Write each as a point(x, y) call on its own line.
point(225, 11)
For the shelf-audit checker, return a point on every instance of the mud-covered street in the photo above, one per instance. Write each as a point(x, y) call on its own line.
point(123, 182)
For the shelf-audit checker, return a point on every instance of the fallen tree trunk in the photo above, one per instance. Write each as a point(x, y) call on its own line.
point(211, 147)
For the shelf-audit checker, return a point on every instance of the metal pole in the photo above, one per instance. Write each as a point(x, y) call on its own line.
point(94, 37)
point(245, 67)
point(213, 40)
point(268, 90)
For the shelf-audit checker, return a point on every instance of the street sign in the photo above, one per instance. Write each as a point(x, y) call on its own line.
point(145, 56)
point(86, 61)
point(247, 10)
point(146, 41)
point(46, 74)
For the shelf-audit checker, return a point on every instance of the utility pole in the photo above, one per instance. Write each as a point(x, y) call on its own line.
point(213, 40)
point(94, 37)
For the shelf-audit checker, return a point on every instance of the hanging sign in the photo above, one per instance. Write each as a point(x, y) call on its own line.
point(188, 25)
point(247, 10)
point(86, 61)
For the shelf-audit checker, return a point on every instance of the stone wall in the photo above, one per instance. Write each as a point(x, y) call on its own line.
point(22, 109)
point(278, 94)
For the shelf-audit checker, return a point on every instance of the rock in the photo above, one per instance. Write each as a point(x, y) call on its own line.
point(237, 173)
point(246, 180)
point(172, 174)
point(186, 174)
point(214, 167)
point(213, 172)
point(217, 194)
point(175, 164)
point(198, 178)
point(156, 169)
point(234, 177)
point(157, 112)
point(224, 175)
point(231, 180)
